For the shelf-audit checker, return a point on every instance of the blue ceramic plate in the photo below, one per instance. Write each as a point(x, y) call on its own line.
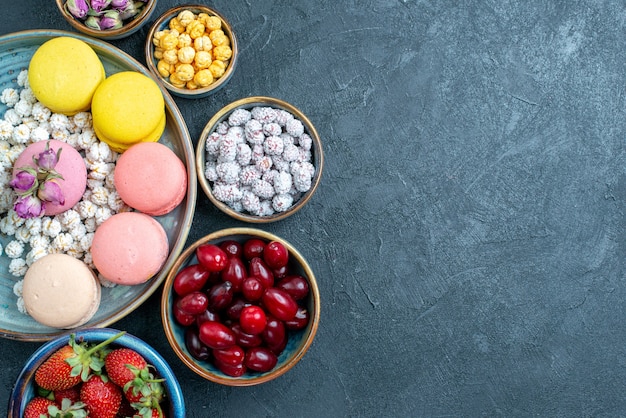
point(299, 341)
point(15, 52)
point(24, 388)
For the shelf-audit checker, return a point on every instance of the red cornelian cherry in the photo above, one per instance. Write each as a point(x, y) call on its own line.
point(235, 273)
point(253, 248)
point(232, 248)
point(212, 257)
point(280, 304)
point(252, 289)
point(194, 303)
point(275, 255)
point(252, 319)
point(216, 335)
point(260, 359)
point(190, 278)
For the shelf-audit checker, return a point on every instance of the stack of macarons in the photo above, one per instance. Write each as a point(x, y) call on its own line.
point(130, 247)
point(128, 113)
point(128, 108)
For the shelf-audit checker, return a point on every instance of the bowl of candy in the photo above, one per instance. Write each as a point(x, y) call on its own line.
point(107, 19)
point(103, 383)
point(240, 307)
point(192, 50)
point(259, 159)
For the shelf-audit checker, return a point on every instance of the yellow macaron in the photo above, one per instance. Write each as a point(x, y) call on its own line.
point(127, 108)
point(64, 73)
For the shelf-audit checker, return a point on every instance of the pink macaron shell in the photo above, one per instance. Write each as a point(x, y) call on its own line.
point(150, 178)
point(129, 248)
point(71, 166)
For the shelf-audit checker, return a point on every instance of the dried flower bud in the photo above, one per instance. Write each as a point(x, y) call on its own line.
point(98, 6)
point(25, 181)
point(93, 22)
point(51, 192)
point(77, 8)
point(119, 4)
point(29, 207)
point(131, 10)
point(111, 20)
point(48, 158)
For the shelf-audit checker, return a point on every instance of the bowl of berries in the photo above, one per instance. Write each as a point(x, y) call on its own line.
point(259, 159)
point(240, 307)
point(96, 372)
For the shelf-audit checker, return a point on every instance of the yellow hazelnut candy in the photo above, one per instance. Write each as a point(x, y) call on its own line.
point(170, 56)
point(169, 41)
point(222, 52)
point(156, 38)
point(185, 17)
point(220, 40)
point(184, 40)
point(202, 59)
point(175, 24)
point(176, 82)
point(185, 72)
point(203, 43)
point(202, 17)
point(216, 33)
point(203, 78)
point(217, 68)
point(163, 68)
point(191, 85)
point(186, 54)
point(212, 23)
point(158, 53)
point(195, 29)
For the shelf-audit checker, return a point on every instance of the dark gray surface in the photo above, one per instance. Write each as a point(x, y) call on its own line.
point(468, 235)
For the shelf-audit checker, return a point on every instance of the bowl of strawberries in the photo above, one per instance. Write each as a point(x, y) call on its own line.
point(97, 372)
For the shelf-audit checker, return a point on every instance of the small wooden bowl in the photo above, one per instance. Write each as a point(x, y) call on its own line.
point(130, 26)
point(317, 157)
point(162, 23)
point(299, 341)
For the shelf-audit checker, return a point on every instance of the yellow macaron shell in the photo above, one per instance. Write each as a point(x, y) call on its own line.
point(64, 73)
point(127, 108)
point(121, 146)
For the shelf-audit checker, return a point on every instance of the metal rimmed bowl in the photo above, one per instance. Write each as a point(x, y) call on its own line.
point(219, 120)
point(24, 388)
point(130, 25)
point(15, 52)
point(298, 341)
point(163, 23)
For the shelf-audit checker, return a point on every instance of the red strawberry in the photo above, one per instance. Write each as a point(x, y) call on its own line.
point(37, 407)
point(73, 394)
point(129, 370)
point(102, 397)
point(56, 373)
point(70, 364)
point(124, 365)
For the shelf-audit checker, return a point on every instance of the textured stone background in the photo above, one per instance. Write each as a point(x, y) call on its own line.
point(468, 236)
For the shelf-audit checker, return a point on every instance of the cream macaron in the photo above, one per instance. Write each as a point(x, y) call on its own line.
point(61, 291)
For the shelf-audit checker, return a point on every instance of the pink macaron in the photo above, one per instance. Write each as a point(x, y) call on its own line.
point(129, 248)
point(150, 178)
point(71, 166)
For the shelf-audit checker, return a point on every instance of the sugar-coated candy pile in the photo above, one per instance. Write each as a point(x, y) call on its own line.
point(259, 161)
point(27, 121)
